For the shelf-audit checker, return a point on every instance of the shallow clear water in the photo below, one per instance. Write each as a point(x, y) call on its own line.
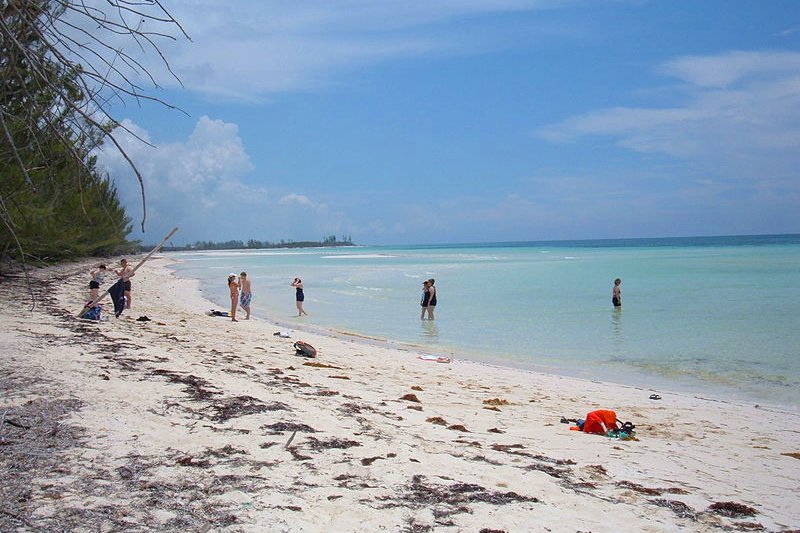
point(698, 314)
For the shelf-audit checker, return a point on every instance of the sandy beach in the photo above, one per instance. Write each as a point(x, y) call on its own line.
point(189, 422)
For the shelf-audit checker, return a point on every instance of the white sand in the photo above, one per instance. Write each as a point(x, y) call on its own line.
point(158, 454)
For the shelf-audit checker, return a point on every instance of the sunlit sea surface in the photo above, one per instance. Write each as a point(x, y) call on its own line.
point(712, 315)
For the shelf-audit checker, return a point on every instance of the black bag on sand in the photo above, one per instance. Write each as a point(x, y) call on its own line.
point(304, 349)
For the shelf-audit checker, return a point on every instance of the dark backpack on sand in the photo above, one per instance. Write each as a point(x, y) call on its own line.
point(304, 349)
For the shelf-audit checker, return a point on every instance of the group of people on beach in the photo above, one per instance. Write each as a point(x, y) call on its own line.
point(242, 294)
point(125, 273)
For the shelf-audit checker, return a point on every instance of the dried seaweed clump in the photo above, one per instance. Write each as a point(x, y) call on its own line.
point(280, 427)
point(495, 401)
point(732, 509)
point(410, 398)
point(317, 444)
point(677, 507)
point(237, 406)
point(438, 420)
point(455, 497)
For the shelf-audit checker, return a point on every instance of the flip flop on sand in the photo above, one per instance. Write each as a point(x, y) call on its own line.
point(655, 397)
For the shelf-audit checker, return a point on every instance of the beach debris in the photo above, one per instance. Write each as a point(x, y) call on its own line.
point(339, 377)
point(650, 491)
point(795, 455)
point(496, 401)
point(453, 499)
point(320, 365)
point(326, 393)
point(196, 387)
point(410, 398)
point(414, 407)
point(753, 526)
point(488, 530)
point(369, 460)
point(334, 497)
point(492, 408)
point(495, 430)
point(417, 388)
point(297, 456)
point(438, 420)
point(267, 444)
point(188, 460)
point(295, 508)
point(291, 438)
point(458, 427)
point(677, 507)
point(317, 444)
point(281, 427)
point(225, 451)
point(732, 509)
point(237, 406)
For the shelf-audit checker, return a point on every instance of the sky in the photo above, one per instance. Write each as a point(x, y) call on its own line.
point(458, 121)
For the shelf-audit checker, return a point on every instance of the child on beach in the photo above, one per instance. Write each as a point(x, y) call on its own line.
point(125, 274)
point(299, 296)
point(616, 294)
point(97, 278)
point(247, 294)
point(234, 288)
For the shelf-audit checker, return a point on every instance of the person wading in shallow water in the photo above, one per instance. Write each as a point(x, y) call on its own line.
point(432, 299)
point(299, 296)
point(616, 294)
point(234, 288)
point(426, 297)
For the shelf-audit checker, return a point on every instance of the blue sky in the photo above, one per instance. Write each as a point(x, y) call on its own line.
point(471, 121)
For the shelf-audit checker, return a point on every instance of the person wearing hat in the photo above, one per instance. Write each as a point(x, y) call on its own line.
point(234, 287)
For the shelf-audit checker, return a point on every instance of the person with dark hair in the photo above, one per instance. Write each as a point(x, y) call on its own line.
point(97, 278)
point(126, 273)
point(616, 294)
point(299, 296)
point(234, 288)
point(247, 294)
point(432, 299)
point(426, 297)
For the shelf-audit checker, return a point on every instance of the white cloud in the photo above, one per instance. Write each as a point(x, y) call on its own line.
point(296, 199)
point(740, 117)
point(201, 185)
point(248, 51)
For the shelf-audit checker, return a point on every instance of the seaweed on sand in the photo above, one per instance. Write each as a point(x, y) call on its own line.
point(237, 406)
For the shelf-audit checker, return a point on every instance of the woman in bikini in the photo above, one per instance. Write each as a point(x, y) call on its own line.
point(234, 288)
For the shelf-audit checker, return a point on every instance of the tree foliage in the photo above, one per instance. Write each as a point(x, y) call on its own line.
point(58, 70)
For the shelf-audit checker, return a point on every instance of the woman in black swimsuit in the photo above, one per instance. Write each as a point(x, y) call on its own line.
point(432, 300)
point(299, 296)
point(426, 298)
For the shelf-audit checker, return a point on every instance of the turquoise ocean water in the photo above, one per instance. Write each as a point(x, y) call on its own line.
point(715, 315)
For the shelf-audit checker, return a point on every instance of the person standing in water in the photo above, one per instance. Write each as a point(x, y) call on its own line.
point(616, 294)
point(432, 299)
point(247, 294)
point(426, 297)
point(299, 296)
point(234, 288)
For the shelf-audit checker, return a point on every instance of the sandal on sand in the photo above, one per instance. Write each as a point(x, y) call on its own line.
point(655, 397)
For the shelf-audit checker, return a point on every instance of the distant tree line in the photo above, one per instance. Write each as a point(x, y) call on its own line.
point(253, 244)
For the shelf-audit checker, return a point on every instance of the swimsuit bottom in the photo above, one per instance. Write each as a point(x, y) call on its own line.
point(94, 285)
point(245, 299)
point(126, 285)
